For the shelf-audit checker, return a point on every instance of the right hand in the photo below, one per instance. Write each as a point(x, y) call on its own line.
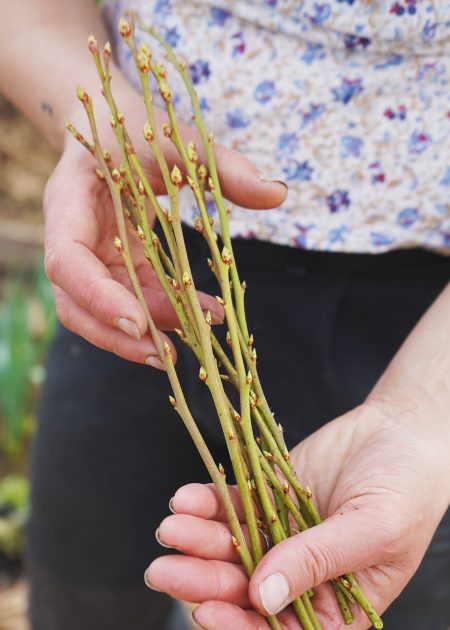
point(93, 295)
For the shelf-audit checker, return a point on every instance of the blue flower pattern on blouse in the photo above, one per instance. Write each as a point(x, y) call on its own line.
point(347, 101)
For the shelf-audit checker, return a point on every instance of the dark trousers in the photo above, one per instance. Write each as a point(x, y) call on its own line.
point(110, 452)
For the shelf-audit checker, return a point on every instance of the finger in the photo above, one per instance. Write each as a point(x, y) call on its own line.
point(343, 543)
point(242, 184)
point(194, 536)
point(202, 500)
point(240, 180)
point(84, 324)
point(214, 579)
point(76, 270)
point(220, 615)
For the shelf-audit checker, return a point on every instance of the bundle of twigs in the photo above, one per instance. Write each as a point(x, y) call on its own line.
point(275, 504)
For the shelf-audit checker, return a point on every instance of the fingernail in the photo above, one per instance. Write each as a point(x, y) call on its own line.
point(268, 180)
point(157, 536)
point(153, 361)
point(171, 505)
point(274, 591)
point(196, 622)
point(128, 327)
point(147, 582)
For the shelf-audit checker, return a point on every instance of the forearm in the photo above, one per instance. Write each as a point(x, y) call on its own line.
point(418, 377)
point(43, 54)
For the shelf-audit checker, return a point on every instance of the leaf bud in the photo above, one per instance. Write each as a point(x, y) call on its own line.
point(115, 175)
point(148, 132)
point(210, 263)
point(202, 375)
point(248, 379)
point(99, 173)
point(167, 130)
point(118, 244)
point(308, 493)
point(202, 172)
point(192, 152)
point(168, 215)
point(237, 417)
point(173, 402)
point(208, 318)
point(124, 28)
point(228, 211)
point(187, 281)
point(107, 156)
point(141, 233)
point(243, 286)
point(93, 44)
point(165, 92)
point(211, 184)
point(221, 469)
point(161, 70)
point(250, 341)
point(141, 187)
point(192, 185)
point(254, 357)
point(181, 334)
point(176, 176)
point(274, 518)
point(228, 338)
point(155, 240)
point(234, 542)
point(167, 350)
point(220, 300)
point(143, 62)
point(198, 224)
point(112, 122)
point(226, 256)
point(120, 117)
point(231, 436)
point(83, 95)
point(211, 137)
point(286, 487)
point(107, 49)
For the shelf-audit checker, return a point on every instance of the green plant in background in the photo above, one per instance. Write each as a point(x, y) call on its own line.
point(26, 323)
point(14, 496)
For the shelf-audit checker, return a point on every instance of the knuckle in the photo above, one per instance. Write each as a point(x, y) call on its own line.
point(51, 264)
point(321, 562)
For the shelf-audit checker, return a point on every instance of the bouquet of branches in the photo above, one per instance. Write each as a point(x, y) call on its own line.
point(275, 503)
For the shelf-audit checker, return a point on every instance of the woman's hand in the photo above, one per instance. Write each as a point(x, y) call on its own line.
point(93, 294)
point(374, 475)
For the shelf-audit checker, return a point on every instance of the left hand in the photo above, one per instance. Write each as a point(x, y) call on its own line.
point(380, 479)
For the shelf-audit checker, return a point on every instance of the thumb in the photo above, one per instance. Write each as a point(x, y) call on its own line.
point(341, 544)
point(244, 185)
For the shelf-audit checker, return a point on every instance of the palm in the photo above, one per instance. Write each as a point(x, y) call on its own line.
point(366, 487)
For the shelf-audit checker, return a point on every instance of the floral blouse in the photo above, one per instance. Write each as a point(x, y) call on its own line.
point(348, 101)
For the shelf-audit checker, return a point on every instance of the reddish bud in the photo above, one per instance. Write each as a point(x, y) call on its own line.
point(124, 28)
point(118, 244)
point(176, 176)
point(93, 44)
point(148, 133)
point(198, 224)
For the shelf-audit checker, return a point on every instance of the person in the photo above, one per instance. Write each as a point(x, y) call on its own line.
point(348, 300)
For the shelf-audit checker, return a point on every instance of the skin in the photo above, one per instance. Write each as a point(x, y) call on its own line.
point(383, 458)
point(378, 494)
point(93, 298)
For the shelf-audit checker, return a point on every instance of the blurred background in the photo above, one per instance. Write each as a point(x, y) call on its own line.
point(26, 324)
